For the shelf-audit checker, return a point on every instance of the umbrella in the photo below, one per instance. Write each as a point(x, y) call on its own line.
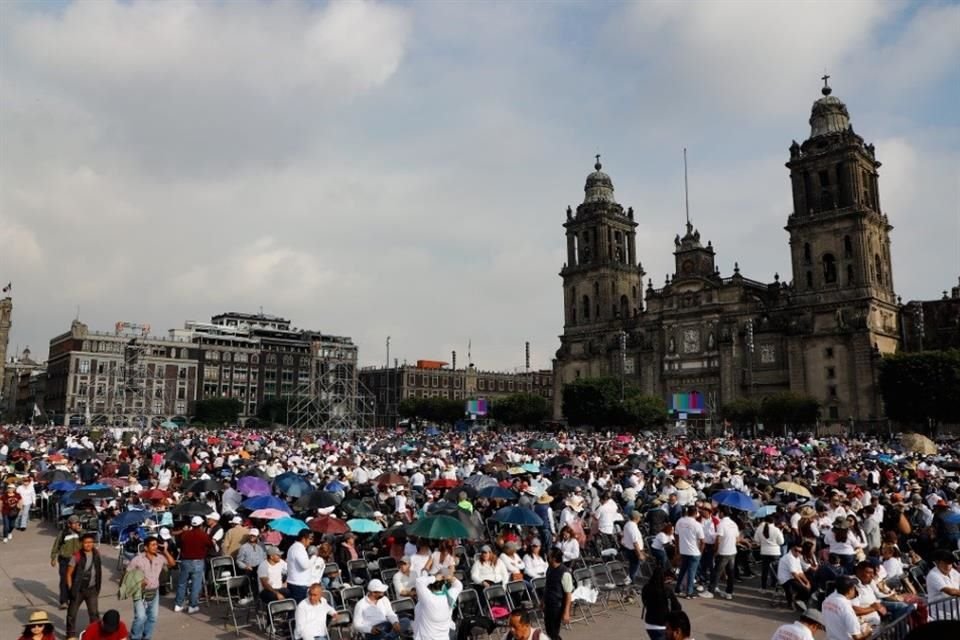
point(178, 456)
point(838, 450)
point(268, 514)
point(292, 484)
point(85, 493)
point(544, 445)
point(559, 461)
point(432, 431)
point(830, 478)
point(438, 528)
point(255, 472)
point(265, 502)
point(771, 451)
point(454, 494)
point(566, 484)
point(116, 483)
point(191, 509)
point(764, 511)
point(497, 493)
point(520, 516)
point(390, 478)
point(701, 467)
point(129, 518)
point(444, 483)
point(328, 524)
point(860, 482)
point(917, 443)
point(252, 486)
point(680, 472)
point(62, 485)
point(795, 452)
point(169, 425)
point(734, 500)
point(288, 526)
point(79, 453)
point(357, 508)
point(794, 488)
point(479, 482)
point(316, 500)
point(55, 475)
point(362, 525)
point(154, 494)
point(200, 486)
point(886, 459)
point(334, 486)
point(530, 467)
point(952, 518)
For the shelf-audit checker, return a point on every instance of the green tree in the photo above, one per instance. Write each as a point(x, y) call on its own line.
point(742, 411)
point(921, 389)
point(789, 409)
point(646, 412)
point(525, 409)
point(440, 410)
point(217, 410)
point(273, 410)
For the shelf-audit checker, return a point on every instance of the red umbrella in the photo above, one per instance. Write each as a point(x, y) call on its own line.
point(444, 483)
point(830, 478)
point(328, 524)
point(154, 494)
point(683, 473)
point(389, 478)
point(116, 483)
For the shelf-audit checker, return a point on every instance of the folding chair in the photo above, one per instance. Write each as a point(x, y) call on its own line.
point(222, 568)
point(279, 613)
point(387, 563)
point(620, 578)
point(331, 571)
point(522, 597)
point(387, 576)
point(235, 587)
point(919, 579)
point(605, 585)
point(357, 569)
point(404, 608)
point(497, 598)
point(582, 578)
point(350, 596)
point(468, 605)
point(344, 624)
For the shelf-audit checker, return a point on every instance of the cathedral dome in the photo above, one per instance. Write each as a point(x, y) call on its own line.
point(599, 186)
point(829, 115)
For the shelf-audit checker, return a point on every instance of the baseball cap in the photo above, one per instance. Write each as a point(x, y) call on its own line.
point(376, 586)
point(196, 521)
point(253, 532)
point(73, 519)
point(213, 516)
point(165, 533)
point(405, 560)
point(272, 550)
point(236, 520)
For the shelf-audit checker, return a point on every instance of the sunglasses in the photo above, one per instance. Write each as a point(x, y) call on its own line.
point(39, 624)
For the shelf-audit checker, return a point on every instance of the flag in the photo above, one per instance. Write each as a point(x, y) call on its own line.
point(36, 410)
point(8, 288)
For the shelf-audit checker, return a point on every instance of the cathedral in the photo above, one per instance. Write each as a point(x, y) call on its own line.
point(704, 339)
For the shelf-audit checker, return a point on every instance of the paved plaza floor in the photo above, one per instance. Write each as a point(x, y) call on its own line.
point(28, 582)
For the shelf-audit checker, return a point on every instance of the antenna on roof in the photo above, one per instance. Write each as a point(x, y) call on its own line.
point(686, 191)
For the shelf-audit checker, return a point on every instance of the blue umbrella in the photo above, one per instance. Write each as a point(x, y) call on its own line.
point(734, 500)
point(838, 450)
point(764, 511)
point(885, 459)
point(292, 484)
point(496, 493)
point(334, 486)
point(702, 467)
point(129, 518)
point(63, 485)
point(288, 526)
point(432, 431)
point(531, 467)
point(952, 518)
point(362, 525)
point(95, 486)
point(265, 502)
point(519, 516)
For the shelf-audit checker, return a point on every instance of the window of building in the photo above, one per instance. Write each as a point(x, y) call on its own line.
point(500, 385)
point(227, 357)
point(181, 407)
point(288, 361)
point(850, 278)
point(212, 355)
point(585, 307)
point(240, 357)
point(412, 380)
point(482, 384)
point(254, 359)
point(828, 352)
point(435, 381)
point(809, 279)
point(829, 268)
point(833, 413)
point(878, 268)
point(271, 358)
point(847, 247)
point(832, 392)
point(510, 386)
point(445, 382)
point(831, 372)
point(446, 394)
point(807, 256)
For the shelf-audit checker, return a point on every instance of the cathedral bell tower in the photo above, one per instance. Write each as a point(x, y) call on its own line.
point(839, 236)
point(602, 281)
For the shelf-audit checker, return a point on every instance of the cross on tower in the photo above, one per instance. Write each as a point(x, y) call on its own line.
point(597, 165)
point(825, 78)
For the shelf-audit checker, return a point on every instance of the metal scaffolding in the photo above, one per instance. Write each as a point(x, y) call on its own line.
point(333, 398)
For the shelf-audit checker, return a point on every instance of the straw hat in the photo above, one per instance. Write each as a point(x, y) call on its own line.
point(546, 498)
point(39, 617)
point(807, 512)
point(682, 484)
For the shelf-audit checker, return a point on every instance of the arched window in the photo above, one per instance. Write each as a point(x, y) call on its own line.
point(878, 267)
point(829, 268)
point(807, 256)
point(847, 247)
point(573, 313)
point(585, 307)
point(624, 307)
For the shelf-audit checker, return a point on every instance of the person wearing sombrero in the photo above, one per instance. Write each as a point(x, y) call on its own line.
point(38, 627)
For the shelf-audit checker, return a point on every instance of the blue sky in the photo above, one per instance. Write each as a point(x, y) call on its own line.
point(402, 169)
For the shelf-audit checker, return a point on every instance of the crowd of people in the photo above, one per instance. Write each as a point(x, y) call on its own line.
point(853, 533)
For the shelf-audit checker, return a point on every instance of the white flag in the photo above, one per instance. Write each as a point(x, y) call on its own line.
point(36, 410)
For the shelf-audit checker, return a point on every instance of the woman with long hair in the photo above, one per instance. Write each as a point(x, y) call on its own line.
point(840, 543)
point(38, 627)
point(770, 539)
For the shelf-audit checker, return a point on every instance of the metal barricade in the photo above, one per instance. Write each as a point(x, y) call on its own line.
point(944, 609)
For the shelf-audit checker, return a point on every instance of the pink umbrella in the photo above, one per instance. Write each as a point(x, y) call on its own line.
point(771, 451)
point(624, 438)
point(272, 537)
point(268, 514)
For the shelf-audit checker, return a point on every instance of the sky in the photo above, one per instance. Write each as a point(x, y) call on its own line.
point(402, 169)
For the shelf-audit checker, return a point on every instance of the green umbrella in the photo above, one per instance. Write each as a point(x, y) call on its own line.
point(438, 528)
point(544, 445)
point(357, 508)
point(362, 525)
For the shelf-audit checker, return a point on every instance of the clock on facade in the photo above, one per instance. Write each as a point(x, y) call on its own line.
point(691, 340)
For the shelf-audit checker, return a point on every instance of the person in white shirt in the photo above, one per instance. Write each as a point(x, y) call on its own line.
point(803, 629)
point(568, 545)
point(419, 560)
point(839, 618)
point(270, 573)
point(374, 611)
point(943, 581)
point(433, 615)
point(29, 496)
point(631, 542)
point(511, 561)
point(892, 565)
point(311, 615)
point(769, 537)
point(404, 581)
point(299, 567)
point(535, 565)
point(728, 533)
point(488, 570)
point(608, 513)
point(790, 574)
point(690, 536)
point(317, 564)
point(840, 542)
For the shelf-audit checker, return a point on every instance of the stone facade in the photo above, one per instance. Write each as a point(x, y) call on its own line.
point(932, 325)
point(703, 339)
point(6, 320)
